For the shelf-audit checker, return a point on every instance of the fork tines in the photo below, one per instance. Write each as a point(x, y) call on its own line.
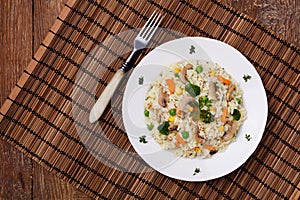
point(151, 25)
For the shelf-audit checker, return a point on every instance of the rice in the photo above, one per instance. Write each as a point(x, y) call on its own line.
point(194, 109)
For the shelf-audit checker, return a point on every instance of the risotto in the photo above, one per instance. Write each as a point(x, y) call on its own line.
point(194, 109)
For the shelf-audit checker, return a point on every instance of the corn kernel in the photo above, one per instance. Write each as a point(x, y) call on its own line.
point(221, 128)
point(212, 73)
point(198, 150)
point(176, 70)
point(171, 119)
point(178, 90)
point(191, 109)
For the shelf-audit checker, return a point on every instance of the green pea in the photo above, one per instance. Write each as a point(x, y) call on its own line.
point(185, 135)
point(199, 69)
point(146, 113)
point(172, 112)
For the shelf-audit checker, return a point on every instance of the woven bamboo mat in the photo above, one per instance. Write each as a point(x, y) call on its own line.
point(45, 118)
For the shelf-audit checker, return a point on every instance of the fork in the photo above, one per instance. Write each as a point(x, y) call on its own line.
point(140, 42)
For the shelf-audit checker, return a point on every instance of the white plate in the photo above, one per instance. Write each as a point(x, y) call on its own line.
point(255, 102)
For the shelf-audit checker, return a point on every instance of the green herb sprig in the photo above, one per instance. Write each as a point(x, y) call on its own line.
point(204, 101)
point(192, 49)
point(247, 77)
point(236, 114)
point(164, 128)
point(248, 137)
point(143, 140)
point(197, 170)
point(141, 80)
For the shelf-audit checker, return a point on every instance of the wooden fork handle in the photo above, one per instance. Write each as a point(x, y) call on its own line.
point(105, 97)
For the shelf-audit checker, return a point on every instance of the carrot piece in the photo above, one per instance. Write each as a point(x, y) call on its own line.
point(211, 148)
point(171, 85)
point(179, 140)
point(224, 114)
point(224, 80)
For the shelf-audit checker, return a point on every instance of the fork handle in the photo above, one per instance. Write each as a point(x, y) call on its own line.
point(129, 61)
point(105, 97)
point(108, 92)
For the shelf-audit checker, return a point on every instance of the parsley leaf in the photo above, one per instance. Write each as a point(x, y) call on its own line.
point(163, 128)
point(236, 114)
point(204, 101)
point(206, 116)
point(246, 77)
point(197, 170)
point(192, 49)
point(143, 139)
point(141, 80)
point(248, 137)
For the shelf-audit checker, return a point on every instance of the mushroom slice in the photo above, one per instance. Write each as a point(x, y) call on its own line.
point(212, 92)
point(230, 92)
point(163, 98)
point(230, 133)
point(183, 72)
point(173, 127)
point(199, 138)
point(183, 104)
point(159, 115)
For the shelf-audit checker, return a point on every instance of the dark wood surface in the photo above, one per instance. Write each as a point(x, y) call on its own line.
point(23, 25)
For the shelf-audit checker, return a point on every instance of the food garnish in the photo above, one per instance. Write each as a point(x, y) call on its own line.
point(192, 49)
point(141, 80)
point(197, 170)
point(163, 128)
point(248, 137)
point(246, 77)
point(143, 140)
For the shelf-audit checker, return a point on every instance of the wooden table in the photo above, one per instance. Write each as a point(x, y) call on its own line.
point(23, 25)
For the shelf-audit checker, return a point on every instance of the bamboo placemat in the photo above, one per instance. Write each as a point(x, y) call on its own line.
point(44, 118)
